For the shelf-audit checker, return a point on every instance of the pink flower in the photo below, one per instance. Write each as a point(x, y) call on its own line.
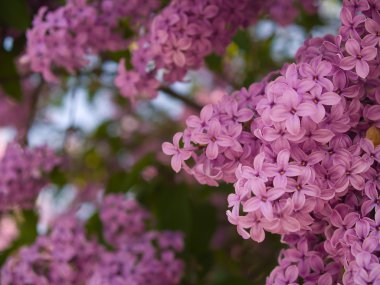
point(358, 58)
point(288, 110)
point(252, 221)
point(263, 200)
point(282, 169)
point(175, 51)
point(199, 123)
point(178, 154)
point(373, 38)
point(314, 75)
point(214, 138)
point(315, 101)
point(350, 23)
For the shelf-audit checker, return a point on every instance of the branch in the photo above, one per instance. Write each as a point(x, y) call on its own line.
point(32, 112)
point(179, 97)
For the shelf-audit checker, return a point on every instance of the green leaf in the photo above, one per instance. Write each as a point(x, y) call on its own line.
point(214, 62)
point(58, 177)
point(15, 13)
point(9, 77)
point(204, 222)
point(173, 209)
point(28, 233)
point(243, 40)
point(121, 182)
point(94, 228)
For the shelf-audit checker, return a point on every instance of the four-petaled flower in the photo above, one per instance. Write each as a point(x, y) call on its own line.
point(358, 58)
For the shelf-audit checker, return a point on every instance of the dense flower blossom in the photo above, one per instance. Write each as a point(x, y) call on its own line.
point(14, 114)
point(23, 174)
point(67, 256)
point(306, 168)
point(185, 32)
point(123, 219)
point(65, 37)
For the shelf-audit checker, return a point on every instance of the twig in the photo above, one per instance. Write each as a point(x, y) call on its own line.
point(184, 99)
point(32, 112)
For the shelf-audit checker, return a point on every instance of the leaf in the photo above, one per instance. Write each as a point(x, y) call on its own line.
point(94, 228)
point(373, 134)
point(203, 226)
point(9, 77)
point(214, 62)
point(28, 233)
point(121, 182)
point(173, 209)
point(243, 40)
point(15, 13)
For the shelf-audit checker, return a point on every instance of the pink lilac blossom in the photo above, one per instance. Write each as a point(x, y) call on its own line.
point(304, 168)
point(123, 219)
point(66, 37)
point(68, 256)
point(65, 256)
point(14, 114)
point(185, 32)
point(23, 174)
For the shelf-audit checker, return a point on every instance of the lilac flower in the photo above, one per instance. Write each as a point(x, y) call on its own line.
point(199, 123)
point(213, 139)
point(358, 58)
point(301, 188)
point(252, 221)
point(372, 154)
point(314, 75)
point(350, 23)
point(304, 169)
point(282, 169)
point(283, 221)
point(126, 80)
point(263, 200)
point(24, 174)
point(373, 38)
point(289, 276)
point(352, 175)
point(315, 101)
point(255, 175)
point(288, 110)
point(178, 154)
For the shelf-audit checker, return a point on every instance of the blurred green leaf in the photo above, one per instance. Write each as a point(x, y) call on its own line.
point(27, 233)
point(122, 181)
point(243, 40)
point(309, 21)
point(15, 13)
point(58, 177)
point(173, 209)
point(214, 63)
point(94, 228)
point(9, 78)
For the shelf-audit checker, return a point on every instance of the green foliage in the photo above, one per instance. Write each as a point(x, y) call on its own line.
point(27, 224)
point(9, 77)
point(15, 13)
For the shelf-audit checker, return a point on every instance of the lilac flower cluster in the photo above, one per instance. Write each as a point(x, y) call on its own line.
point(185, 32)
point(23, 174)
point(142, 256)
point(65, 37)
point(67, 256)
point(123, 219)
point(149, 259)
point(297, 151)
point(64, 257)
point(14, 114)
